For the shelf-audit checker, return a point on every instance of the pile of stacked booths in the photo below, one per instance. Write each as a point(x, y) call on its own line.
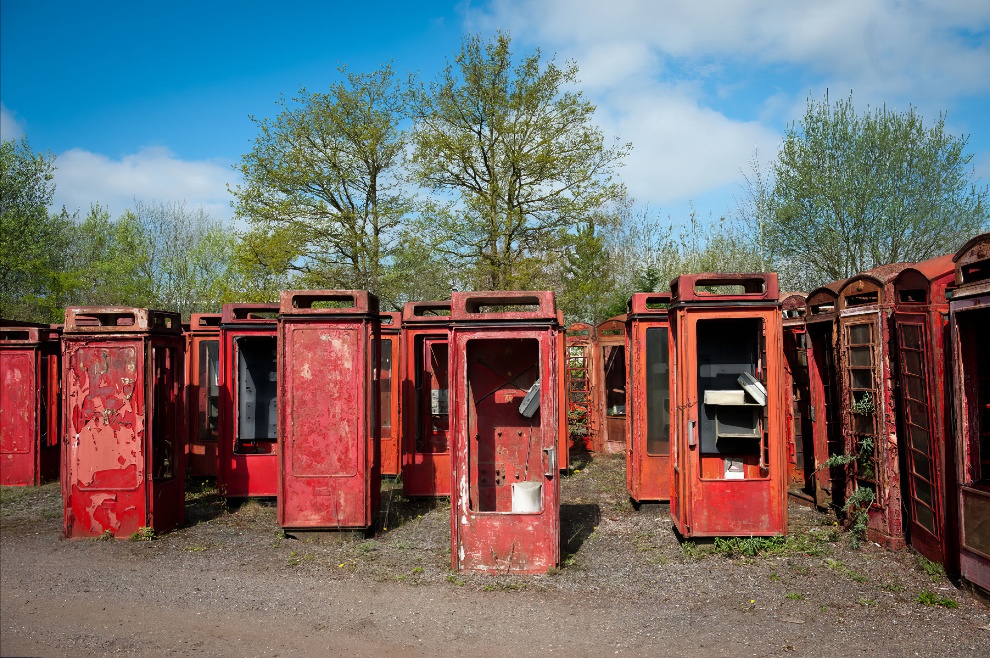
point(728, 398)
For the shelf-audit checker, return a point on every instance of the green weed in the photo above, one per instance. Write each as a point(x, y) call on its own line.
point(930, 598)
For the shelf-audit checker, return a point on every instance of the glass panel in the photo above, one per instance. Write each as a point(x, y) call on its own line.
point(657, 392)
point(923, 491)
point(860, 334)
point(915, 387)
point(919, 439)
point(863, 424)
point(922, 465)
point(924, 517)
point(257, 393)
point(911, 336)
point(912, 362)
point(615, 380)
point(919, 413)
point(861, 378)
point(385, 386)
point(860, 356)
point(209, 392)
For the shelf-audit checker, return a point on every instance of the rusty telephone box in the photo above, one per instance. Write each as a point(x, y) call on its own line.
point(728, 466)
point(123, 452)
point(30, 403)
point(425, 386)
point(921, 313)
point(248, 419)
point(797, 428)
point(202, 394)
point(648, 445)
point(868, 407)
point(969, 319)
point(505, 349)
point(579, 339)
point(611, 364)
point(824, 390)
point(390, 350)
point(329, 475)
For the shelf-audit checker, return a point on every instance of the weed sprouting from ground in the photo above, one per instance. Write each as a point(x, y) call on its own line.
point(745, 547)
point(934, 570)
point(930, 598)
point(839, 567)
point(145, 533)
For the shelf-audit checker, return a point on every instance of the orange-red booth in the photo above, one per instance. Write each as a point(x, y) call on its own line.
point(728, 467)
point(579, 386)
point(610, 375)
point(801, 458)
point(202, 394)
point(390, 350)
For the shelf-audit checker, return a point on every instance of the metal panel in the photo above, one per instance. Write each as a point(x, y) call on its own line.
point(202, 394)
point(389, 365)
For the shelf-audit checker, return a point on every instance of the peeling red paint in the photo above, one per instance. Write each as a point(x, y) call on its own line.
point(610, 364)
point(202, 395)
point(122, 460)
point(389, 368)
point(580, 386)
point(329, 474)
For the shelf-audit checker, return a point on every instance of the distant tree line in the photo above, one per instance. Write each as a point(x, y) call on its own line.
point(492, 176)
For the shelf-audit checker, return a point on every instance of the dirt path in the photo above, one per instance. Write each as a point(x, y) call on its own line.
point(230, 584)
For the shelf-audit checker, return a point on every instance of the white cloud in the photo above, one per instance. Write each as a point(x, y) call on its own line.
point(150, 175)
point(10, 127)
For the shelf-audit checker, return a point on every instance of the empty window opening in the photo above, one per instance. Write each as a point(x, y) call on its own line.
point(257, 391)
point(432, 392)
point(657, 392)
point(385, 388)
point(615, 381)
point(208, 408)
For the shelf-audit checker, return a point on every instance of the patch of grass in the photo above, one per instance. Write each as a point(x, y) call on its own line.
point(417, 569)
point(10, 494)
point(795, 596)
point(893, 587)
point(402, 545)
point(106, 536)
point(927, 597)
point(774, 577)
point(866, 603)
point(797, 544)
point(934, 570)
point(367, 547)
point(455, 580)
point(144, 533)
point(837, 566)
point(502, 587)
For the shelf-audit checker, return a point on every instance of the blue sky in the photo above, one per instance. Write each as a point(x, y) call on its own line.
point(150, 100)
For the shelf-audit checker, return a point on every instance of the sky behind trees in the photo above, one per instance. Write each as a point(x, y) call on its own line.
point(152, 101)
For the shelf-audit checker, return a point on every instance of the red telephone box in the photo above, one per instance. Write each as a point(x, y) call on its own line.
point(610, 371)
point(824, 411)
point(797, 428)
point(390, 423)
point(866, 303)
point(122, 457)
point(329, 475)
point(202, 394)
point(969, 319)
point(505, 432)
point(579, 386)
point(921, 329)
point(425, 385)
point(648, 456)
point(30, 403)
point(248, 420)
point(728, 471)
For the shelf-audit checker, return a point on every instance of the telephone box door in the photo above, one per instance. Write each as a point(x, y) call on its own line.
point(649, 421)
point(505, 507)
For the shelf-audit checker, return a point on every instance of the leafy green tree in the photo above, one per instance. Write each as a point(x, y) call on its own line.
point(321, 187)
point(514, 157)
point(32, 240)
point(853, 191)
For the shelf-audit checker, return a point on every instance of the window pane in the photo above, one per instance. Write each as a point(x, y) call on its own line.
point(862, 378)
point(912, 362)
point(911, 336)
point(919, 439)
point(860, 356)
point(860, 334)
point(657, 392)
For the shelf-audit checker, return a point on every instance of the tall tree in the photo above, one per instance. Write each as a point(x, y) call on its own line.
point(321, 187)
point(852, 191)
point(32, 240)
point(517, 156)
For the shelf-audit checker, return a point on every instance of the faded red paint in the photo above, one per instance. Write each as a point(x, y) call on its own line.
point(801, 463)
point(122, 457)
point(728, 456)
point(390, 422)
point(246, 452)
point(649, 417)
point(202, 393)
point(969, 320)
point(329, 474)
point(866, 306)
point(425, 399)
point(924, 408)
point(30, 403)
point(580, 387)
point(611, 364)
point(496, 450)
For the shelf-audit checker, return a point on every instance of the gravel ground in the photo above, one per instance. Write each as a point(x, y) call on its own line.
point(231, 583)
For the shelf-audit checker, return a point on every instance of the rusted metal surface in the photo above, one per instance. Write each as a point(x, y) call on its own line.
point(30, 403)
point(649, 412)
point(122, 456)
point(921, 327)
point(868, 404)
point(611, 365)
point(582, 417)
point(801, 462)
point(202, 393)
point(389, 421)
point(248, 420)
point(969, 320)
point(329, 475)
point(728, 455)
point(505, 505)
point(425, 399)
